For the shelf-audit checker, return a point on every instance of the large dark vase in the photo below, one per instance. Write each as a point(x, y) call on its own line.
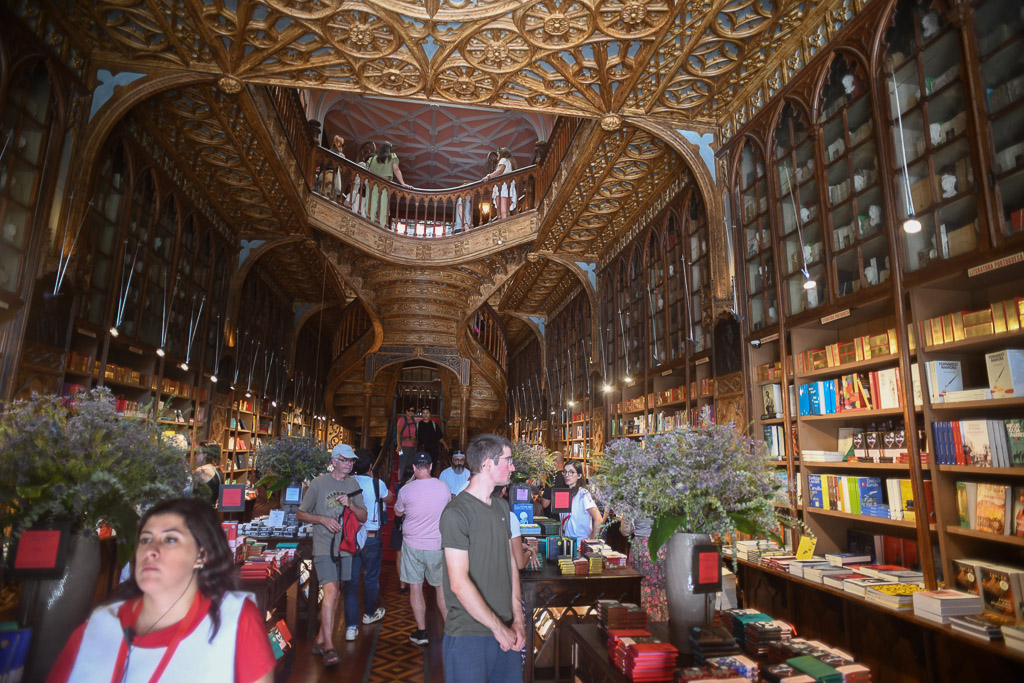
point(53, 608)
point(685, 608)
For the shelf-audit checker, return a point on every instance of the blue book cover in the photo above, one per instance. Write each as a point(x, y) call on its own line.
point(814, 398)
point(870, 489)
point(814, 487)
point(805, 399)
point(875, 511)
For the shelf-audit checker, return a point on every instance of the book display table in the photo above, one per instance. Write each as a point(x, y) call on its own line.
point(554, 601)
point(589, 659)
point(896, 646)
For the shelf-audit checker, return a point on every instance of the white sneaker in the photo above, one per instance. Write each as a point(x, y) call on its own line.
point(376, 616)
point(351, 632)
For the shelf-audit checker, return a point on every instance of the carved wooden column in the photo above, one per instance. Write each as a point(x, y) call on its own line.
point(364, 440)
point(463, 417)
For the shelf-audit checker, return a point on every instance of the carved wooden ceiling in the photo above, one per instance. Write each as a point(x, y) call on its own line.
point(689, 60)
point(699, 64)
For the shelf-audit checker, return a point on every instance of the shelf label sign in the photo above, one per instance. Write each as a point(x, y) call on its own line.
point(702, 361)
point(770, 338)
point(666, 373)
point(835, 316)
point(996, 265)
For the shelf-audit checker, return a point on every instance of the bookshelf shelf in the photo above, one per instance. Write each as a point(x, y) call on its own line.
point(856, 366)
point(854, 415)
point(898, 466)
point(976, 344)
point(984, 471)
point(1004, 539)
point(861, 518)
point(989, 404)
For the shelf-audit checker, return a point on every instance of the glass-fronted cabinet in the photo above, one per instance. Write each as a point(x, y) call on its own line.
point(699, 280)
point(932, 164)
point(656, 298)
point(801, 246)
point(1000, 25)
point(675, 292)
point(854, 215)
point(759, 259)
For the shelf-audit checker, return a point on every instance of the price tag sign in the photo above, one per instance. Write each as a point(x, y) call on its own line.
point(806, 549)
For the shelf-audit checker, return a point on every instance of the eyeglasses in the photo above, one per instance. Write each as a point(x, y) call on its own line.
point(508, 458)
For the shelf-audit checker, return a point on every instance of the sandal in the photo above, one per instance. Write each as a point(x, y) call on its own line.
point(318, 649)
point(331, 657)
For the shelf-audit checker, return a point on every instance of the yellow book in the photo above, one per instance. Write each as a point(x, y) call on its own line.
point(894, 343)
point(1012, 317)
point(947, 328)
point(936, 325)
point(958, 325)
point(998, 317)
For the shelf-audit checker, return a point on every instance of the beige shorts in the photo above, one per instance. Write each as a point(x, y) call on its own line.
point(418, 565)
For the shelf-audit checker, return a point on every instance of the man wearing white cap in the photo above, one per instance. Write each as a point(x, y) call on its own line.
point(323, 506)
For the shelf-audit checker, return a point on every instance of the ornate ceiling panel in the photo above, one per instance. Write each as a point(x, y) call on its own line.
point(205, 130)
point(684, 59)
point(438, 146)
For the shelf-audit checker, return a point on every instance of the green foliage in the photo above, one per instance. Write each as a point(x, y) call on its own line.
point(533, 461)
point(288, 459)
point(707, 479)
point(83, 463)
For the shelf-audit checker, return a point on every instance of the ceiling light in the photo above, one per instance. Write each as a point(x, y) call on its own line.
point(248, 394)
point(213, 378)
point(184, 366)
point(160, 352)
point(627, 379)
point(810, 284)
point(273, 404)
point(911, 226)
point(606, 388)
point(113, 331)
point(572, 403)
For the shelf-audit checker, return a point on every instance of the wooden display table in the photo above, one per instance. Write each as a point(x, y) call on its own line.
point(896, 646)
point(568, 599)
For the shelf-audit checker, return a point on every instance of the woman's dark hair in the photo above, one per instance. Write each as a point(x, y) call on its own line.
point(217, 575)
point(406, 475)
point(384, 153)
point(578, 466)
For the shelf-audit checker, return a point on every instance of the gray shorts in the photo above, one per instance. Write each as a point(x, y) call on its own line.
point(418, 565)
point(330, 570)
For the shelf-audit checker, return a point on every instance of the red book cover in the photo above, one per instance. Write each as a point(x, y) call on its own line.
point(958, 444)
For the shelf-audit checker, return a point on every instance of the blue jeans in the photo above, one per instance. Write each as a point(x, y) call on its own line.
point(479, 659)
point(367, 562)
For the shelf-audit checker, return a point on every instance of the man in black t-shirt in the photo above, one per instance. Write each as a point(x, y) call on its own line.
point(558, 483)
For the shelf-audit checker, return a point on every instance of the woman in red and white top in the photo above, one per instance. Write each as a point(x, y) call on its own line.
point(176, 619)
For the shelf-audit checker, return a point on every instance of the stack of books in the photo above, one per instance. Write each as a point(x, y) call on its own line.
point(986, 625)
point(797, 567)
point(645, 658)
point(614, 559)
point(707, 674)
point(740, 619)
point(816, 669)
point(859, 586)
point(618, 616)
point(844, 559)
point(566, 564)
point(617, 635)
point(1014, 637)
point(595, 563)
point(940, 605)
point(739, 664)
point(711, 641)
point(779, 563)
point(895, 596)
point(759, 635)
point(839, 580)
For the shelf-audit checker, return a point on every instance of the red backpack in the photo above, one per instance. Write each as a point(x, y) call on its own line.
point(349, 529)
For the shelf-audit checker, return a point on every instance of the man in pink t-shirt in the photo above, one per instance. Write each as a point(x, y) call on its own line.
point(421, 503)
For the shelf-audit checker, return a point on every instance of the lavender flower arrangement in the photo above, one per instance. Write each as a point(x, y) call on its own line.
point(79, 461)
point(288, 459)
point(709, 479)
point(533, 461)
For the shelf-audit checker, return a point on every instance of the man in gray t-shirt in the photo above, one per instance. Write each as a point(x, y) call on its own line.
point(322, 506)
point(484, 631)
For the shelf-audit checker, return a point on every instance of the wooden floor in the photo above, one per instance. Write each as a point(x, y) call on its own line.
point(382, 652)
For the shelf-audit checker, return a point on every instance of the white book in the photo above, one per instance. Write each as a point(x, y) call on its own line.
point(967, 395)
point(977, 448)
point(888, 388)
point(943, 376)
point(1005, 372)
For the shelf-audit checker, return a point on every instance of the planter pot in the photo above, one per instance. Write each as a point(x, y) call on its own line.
point(685, 609)
point(53, 608)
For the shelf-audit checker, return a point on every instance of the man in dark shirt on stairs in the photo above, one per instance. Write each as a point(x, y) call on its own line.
point(484, 631)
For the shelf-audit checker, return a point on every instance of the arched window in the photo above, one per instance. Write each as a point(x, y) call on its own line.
point(758, 252)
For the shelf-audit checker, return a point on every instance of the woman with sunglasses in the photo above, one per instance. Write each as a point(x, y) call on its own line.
point(177, 618)
point(584, 518)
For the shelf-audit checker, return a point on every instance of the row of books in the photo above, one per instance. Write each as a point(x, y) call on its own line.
point(1000, 317)
point(864, 496)
point(1004, 369)
point(640, 656)
point(1000, 587)
point(981, 443)
point(864, 347)
point(875, 390)
point(990, 508)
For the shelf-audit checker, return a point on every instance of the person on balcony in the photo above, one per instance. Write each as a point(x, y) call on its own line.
point(504, 195)
point(338, 147)
point(383, 165)
point(357, 195)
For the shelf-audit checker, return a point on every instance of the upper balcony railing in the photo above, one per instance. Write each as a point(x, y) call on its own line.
point(415, 212)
